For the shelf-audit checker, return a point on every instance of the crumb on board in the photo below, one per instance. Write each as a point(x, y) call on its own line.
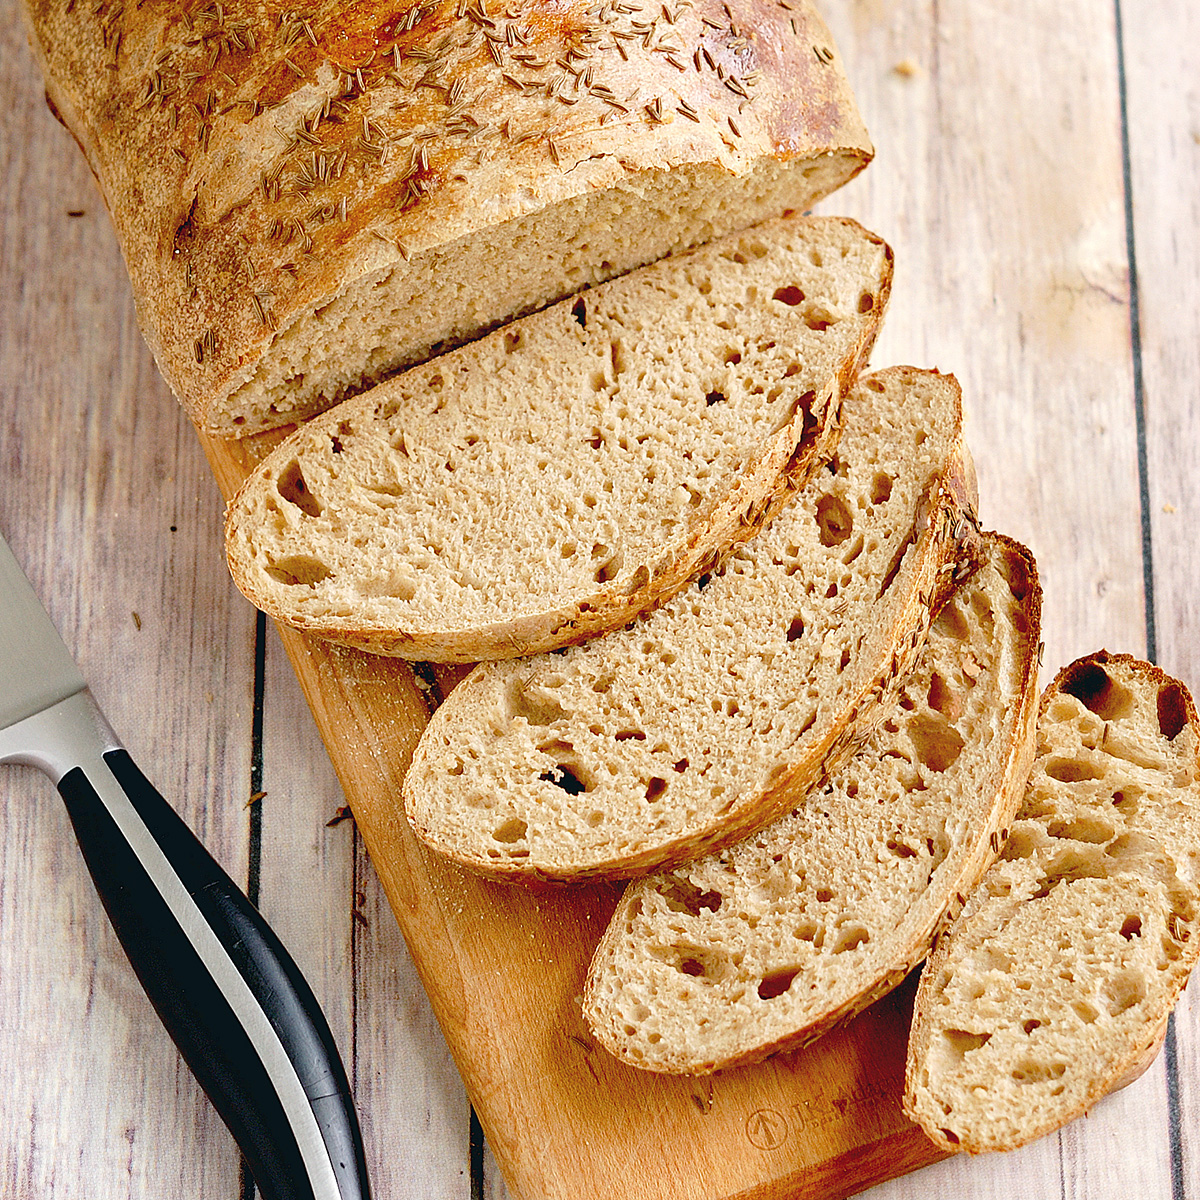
point(906, 68)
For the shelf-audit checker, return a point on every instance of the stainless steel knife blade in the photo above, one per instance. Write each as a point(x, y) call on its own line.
point(36, 668)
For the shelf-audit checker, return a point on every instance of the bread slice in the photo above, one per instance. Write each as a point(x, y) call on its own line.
point(310, 198)
point(1057, 979)
point(771, 943)
point(710, 717)
point(563, 474)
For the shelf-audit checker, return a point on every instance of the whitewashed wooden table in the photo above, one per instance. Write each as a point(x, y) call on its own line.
point(1038, 173)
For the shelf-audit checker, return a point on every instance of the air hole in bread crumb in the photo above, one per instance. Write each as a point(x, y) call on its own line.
point(790, 296)
point(824, 895)
point(1125, 803)
point(1072, 770)
point(627, 735)
point(850, 937)
point(795, 629)
point(1030, 1071)
point(1092, 686)
point(1031, 1025)
point(833, 520)
point(901, 849)
point(937, 743)
point(562, 776)
point(655, 788)
point(732, 358)
point(1123, 991)
point(1084, 1011)
point(881, 488)
point(866, 302)
point(1172, 710)
point(681, 895)
point(941, 698)
point(512, 830)
point(609, 569)
point(292, 487)
point(961, 1043)
point(1082, 829)
point(775, 983)
point(511, 341)
point(714, 398)
point(298, 571)
point(950, 1136)
point(1131, 927)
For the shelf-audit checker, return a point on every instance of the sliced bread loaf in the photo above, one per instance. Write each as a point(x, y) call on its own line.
point(715, 714)
point(1059, 975)
point(563, 474)
point(311, 197)
point(769, 944)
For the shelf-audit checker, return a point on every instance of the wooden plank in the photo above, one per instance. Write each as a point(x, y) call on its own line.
point(322, 896)
point(998, 181)
point(109, 507)
point(1162, 63)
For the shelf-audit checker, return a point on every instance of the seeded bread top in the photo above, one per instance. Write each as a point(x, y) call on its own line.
point(276, 175)
point(1056, 981)
point(561, 475)
point(715, 714)
point(767, 945)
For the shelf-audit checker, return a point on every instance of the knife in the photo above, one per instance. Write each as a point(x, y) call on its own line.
point(229, 994)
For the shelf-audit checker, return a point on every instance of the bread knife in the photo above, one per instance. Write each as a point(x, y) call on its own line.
point(229, 994)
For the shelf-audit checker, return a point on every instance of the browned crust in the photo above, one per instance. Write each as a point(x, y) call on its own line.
point(941, 535)
point(758, 492)
point(1007, 787)
point(1138, 1054)
point(197, 125)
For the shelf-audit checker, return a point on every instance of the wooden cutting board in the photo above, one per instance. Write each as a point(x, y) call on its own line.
point(504, 968)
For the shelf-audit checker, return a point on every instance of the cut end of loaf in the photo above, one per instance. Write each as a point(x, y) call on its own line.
point(1056, 981)
point(413, 304)
point(300, 220)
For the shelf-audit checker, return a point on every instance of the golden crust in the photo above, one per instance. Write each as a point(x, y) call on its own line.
point(258, 161)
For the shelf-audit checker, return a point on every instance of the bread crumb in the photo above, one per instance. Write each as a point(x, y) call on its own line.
point(1169, 508)
point(906, 68)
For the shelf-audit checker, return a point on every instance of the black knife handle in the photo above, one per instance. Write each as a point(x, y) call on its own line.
point(213, 970)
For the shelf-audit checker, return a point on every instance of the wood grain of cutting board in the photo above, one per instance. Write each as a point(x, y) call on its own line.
point(504, 967)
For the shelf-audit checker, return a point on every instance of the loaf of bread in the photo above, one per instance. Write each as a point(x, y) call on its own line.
point(1055, 983)
point(565, 473)
point(310, 198)
point(771, 943)
point(715, 714)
